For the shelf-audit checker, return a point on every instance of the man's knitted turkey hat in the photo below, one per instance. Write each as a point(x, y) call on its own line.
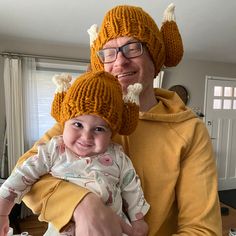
point(164, 45)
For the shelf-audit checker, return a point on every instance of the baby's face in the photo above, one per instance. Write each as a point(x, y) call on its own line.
point(87, 135)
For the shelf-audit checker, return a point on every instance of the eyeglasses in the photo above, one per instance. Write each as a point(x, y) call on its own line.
point(129, 50)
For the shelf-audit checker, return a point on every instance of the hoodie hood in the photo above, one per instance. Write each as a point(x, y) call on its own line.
point(170, 108)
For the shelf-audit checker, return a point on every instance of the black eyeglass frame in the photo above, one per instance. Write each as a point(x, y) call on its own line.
point(120, 49)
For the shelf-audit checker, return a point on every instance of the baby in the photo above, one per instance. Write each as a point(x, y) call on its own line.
point(91, 110)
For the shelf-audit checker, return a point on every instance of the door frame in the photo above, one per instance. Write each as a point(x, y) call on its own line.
point(205, 119)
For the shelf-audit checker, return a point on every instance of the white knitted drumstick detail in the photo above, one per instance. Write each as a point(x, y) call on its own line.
point(62, 82)
point(169, 13)
point(93, 33)
point(133, 92)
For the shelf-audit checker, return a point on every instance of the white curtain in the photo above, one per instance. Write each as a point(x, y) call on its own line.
point(14, 110)
point(3, 158)
point(20, 92)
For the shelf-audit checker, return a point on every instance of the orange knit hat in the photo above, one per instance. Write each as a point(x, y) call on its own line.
point(97, 93)
point(165, 46)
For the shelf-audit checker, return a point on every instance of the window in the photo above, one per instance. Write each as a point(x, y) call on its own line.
point(157, 82)
point(224, 98)
point(45, 91)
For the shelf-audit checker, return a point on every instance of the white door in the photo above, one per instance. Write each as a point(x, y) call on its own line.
point(220, 119)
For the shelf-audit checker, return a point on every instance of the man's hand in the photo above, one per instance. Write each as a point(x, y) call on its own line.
point(140, 228)
point(92, 217)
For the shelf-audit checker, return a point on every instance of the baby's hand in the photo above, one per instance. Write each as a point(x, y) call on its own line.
point(139, 228)
point(4, 225)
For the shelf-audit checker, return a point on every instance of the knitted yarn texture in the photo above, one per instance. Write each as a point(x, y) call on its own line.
point(165, 45)
point(98, 93)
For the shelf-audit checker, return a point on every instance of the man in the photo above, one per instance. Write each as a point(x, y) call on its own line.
point(170, 149)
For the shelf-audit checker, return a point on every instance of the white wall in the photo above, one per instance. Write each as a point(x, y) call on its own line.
point(43, 48)
point(192, 74)
point(2, 107)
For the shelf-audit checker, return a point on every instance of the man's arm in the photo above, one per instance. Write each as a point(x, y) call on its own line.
point(54, 200)
point(196, 191)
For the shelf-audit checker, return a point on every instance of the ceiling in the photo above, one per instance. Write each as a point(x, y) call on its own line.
point(208, 27)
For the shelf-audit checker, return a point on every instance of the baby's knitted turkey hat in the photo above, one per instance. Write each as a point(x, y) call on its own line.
point(164, 45)
point(97, 93)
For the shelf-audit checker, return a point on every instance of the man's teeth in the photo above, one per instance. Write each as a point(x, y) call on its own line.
point(125, 74)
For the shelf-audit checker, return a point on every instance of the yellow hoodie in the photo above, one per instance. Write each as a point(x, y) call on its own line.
point(172, 153)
